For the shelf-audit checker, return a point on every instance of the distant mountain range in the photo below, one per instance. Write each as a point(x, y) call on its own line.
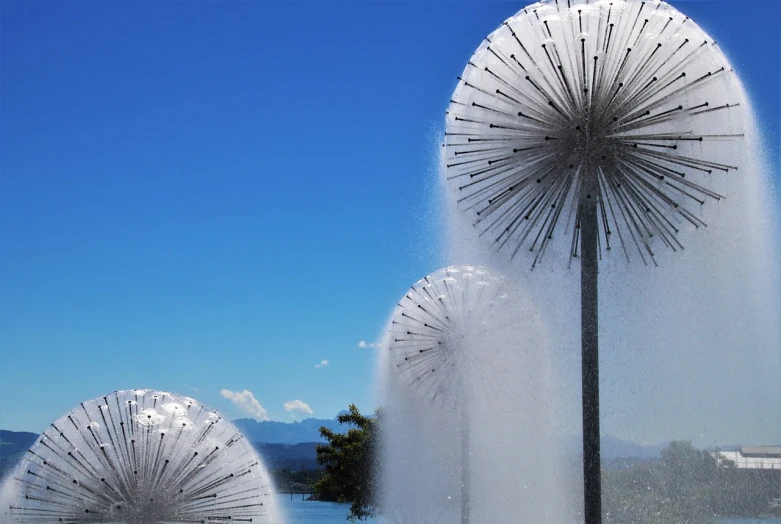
point(308, 430)
point(291, 445)
point(13, 445)
point(288, 456)
point(615, 448)
point(272, 432)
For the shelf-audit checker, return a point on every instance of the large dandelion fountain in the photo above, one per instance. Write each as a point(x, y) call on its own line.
point(581, 128)
point(142, 457)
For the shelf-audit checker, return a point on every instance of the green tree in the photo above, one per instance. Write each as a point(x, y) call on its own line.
point(686, 486)
point(349, 461)
point(286, 480)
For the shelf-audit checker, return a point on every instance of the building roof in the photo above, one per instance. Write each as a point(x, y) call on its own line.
point(765, 451)
point(751, 457)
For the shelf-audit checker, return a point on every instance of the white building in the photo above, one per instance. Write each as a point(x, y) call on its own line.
point(751, 457)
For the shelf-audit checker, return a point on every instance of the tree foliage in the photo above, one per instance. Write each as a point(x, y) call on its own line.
point(349, 461)
point(291, 481)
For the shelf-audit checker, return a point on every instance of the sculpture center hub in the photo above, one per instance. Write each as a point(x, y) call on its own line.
point(590, 142)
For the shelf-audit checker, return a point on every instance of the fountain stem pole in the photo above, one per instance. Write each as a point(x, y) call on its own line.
point(589, 265)
point(465, 506)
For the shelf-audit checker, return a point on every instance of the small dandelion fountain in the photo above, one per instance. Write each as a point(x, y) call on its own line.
point(579, 126)
point(431, 349)
point(142, 457)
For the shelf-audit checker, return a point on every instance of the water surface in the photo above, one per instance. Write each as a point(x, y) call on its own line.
point(299, 511)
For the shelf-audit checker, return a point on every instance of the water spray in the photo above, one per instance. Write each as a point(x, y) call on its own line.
point(430, 344)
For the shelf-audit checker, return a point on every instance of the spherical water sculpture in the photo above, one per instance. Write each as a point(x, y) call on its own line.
point(142, 457)
point(612, 115)
point(429, 339)
point(433, 343)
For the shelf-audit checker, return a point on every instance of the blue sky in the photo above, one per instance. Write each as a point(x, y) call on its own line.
point(200, 197)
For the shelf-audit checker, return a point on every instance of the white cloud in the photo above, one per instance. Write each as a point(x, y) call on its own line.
point(363, 344)
point(296, 407)
point(322, 364)
point(246, 402)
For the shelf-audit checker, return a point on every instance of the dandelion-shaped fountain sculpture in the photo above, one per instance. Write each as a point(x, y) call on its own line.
point(142, 457)
point(601, 123)
point(431, 348)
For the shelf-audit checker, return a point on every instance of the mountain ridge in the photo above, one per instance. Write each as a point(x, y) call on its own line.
point(275, 432)
point(292, 445)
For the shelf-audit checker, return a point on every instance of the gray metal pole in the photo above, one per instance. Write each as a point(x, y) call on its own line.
point(465, 462)
point(589, 265)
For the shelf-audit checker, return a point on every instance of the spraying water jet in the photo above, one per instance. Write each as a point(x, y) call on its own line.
point(458, 388)
point(430, 344)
